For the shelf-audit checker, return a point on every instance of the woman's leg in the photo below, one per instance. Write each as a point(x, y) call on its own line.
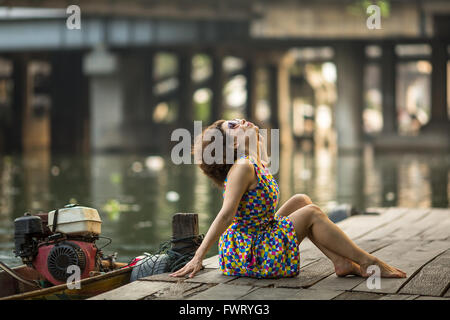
point(310, 220)
point(342, 265)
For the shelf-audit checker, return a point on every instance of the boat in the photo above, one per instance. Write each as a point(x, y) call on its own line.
point(57, 248)
point(13, 289)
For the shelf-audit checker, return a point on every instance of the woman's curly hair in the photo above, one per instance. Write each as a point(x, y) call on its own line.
point(216, 171)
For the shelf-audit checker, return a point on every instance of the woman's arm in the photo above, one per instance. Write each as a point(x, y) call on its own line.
point(240, 177)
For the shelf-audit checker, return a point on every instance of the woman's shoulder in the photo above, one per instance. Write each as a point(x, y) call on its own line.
point(243, 167)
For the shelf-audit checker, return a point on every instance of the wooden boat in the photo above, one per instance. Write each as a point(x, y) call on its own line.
point(12, 289)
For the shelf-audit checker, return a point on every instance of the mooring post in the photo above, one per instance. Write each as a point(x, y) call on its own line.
point(184, 232)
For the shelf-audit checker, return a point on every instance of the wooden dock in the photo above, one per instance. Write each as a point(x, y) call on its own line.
point(415, 240)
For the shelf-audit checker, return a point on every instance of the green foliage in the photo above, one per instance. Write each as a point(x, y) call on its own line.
point(359, 8)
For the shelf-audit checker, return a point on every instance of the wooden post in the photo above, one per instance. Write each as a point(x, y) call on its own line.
point(184, 225)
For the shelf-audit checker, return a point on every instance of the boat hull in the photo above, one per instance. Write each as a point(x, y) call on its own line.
point(89, 287)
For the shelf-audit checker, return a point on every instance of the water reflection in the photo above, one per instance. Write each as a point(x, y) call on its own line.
point(137, 195)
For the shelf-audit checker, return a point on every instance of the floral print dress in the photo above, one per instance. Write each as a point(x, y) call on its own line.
point(259, 243)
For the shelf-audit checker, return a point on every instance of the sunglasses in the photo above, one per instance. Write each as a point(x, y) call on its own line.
point(233, 124)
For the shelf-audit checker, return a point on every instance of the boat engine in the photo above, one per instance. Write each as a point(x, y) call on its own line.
point(52, 242)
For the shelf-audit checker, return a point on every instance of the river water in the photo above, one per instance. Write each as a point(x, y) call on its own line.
point(137, 194)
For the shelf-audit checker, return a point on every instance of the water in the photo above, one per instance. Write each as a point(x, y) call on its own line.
point(136, 195)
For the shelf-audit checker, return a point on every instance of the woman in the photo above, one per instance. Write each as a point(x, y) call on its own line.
point(254, 240)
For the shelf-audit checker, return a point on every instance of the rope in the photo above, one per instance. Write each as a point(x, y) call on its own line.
point(13, 274)
point(165, 259)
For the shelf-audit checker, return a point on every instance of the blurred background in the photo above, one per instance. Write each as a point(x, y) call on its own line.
point(87, 110)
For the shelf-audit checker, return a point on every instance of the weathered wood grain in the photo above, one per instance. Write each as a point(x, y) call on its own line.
point(333, 282)
point(223, 292)
point(431, 298)
point(290, 294)
point(136, 290)
point(413, 230)
point(212, 262)
point(271, 294)
point(411, 217)
point(410, 261)
point(177, 291)
point(414, 240)
point(447, 294)
point(312, 294)
point(399, 297)
point(441, 229)
point(358, 296)
point(211, 276)
point(433, 279)
point(357, 226)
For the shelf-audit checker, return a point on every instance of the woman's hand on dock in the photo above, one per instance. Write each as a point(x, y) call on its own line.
point(191, 267)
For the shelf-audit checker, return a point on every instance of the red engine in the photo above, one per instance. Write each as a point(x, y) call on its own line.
point(53, 260)
point(51, 253)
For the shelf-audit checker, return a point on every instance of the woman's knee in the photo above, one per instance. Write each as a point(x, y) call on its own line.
point(308, 214)
point(315, 212)
point(301, 199)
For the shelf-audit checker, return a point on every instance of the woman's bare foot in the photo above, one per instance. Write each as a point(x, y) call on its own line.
point(386, 271)
point(346, 267)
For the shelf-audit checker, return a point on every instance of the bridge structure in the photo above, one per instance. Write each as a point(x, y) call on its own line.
point(95, 88)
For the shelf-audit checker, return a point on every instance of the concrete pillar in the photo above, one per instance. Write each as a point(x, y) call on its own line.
point(136, 72)
point(20, 72)
point(438, 128)
point(36, 118)
point(439, 184)
point(186, 104)
point(388, 88)
point(217, 83)
point(439, 57)
point(348, 110)
point(273, 96)
point(70, 109)
point(389, 183)
point(251, 82)
point(280, 98)
point(350, 180)
point(106, 100)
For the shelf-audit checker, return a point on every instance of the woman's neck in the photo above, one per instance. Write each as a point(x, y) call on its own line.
point(254, 155)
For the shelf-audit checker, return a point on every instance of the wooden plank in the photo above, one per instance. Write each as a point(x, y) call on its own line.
point(133, 291)
point(308, 276)
point(212, 262)
point(409, 261)
point(447, 294)
point(413, 230)
point(390, 229)
point(312, 294)
point(358, 296)
point(441, 230)
point(290, 294)
point(163, 277)
point(431, 298)
point(333, 282)
point(177, 291)
point(357, 226)
point(271, 294)
point(348, 283)
point(223, 292)
point(399, 297)
point(211, 276)
point(433, 279)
